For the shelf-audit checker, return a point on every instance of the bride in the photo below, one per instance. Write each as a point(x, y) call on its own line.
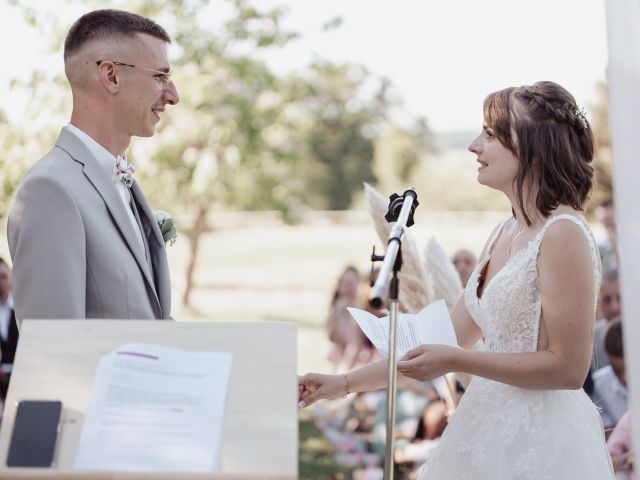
point(532, 297)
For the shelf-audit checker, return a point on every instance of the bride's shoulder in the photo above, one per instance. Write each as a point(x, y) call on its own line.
point(566, 234)
point(567, 255)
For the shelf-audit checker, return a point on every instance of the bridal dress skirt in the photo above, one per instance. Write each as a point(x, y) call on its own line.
point(501, 432)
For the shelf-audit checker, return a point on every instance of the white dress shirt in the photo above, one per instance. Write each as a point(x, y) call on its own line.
point(5, 317)
point(610, 396)
point(108, 162)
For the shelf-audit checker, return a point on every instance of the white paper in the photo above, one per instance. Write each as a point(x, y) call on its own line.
point(432, 325)
point(155, 409)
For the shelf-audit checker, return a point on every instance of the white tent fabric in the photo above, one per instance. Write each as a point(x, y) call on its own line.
point(623, 26)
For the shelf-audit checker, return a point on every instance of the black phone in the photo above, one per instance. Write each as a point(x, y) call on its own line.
point(35, 431)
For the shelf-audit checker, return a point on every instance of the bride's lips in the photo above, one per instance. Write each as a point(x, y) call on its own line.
point(482, 164)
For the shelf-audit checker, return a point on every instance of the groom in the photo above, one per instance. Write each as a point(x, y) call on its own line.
point(83, 240)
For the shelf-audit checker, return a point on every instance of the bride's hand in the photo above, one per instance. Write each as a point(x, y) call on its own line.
point(316, 386)
point(427, 362)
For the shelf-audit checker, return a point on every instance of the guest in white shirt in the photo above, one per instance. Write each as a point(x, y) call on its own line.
point(610, 384)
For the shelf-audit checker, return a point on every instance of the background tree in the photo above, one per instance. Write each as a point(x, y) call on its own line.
point(401, 153)
point(341, 130)
point(603, 160)
point(242, 138)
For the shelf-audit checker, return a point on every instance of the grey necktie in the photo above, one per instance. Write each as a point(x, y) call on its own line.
point(147, 253)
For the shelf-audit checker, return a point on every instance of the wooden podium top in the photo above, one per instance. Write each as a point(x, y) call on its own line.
point(56, 360)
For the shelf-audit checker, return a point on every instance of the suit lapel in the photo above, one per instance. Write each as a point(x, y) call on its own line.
point(107, 190)
point(157, 249)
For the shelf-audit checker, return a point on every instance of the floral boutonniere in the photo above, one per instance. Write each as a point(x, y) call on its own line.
point(124, 172)
point(167, 227)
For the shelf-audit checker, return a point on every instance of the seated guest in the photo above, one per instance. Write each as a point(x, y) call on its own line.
point(8, 328)
point(344, 333)
point(431, 425)
point(464, 261)
point(608, 309)
point(610, 383)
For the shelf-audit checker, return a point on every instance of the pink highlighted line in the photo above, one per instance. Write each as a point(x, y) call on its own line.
point(136, 354)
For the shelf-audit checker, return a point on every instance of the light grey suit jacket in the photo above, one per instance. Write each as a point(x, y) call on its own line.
point(74, 249)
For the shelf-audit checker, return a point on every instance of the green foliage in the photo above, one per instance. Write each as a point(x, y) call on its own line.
point(341, 131)
point(242, 137)
point(24, 141)
point(315, 454)
point(400, 155)
point(228, 143)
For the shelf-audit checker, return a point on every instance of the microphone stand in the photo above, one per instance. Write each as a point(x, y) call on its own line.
point(401, 210)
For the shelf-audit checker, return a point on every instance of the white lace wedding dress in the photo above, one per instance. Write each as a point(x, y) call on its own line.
point(502, 432)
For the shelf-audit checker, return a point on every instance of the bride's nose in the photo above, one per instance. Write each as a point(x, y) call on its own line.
point(475, 146)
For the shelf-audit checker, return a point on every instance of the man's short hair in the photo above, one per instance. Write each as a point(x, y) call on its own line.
point(108, 23)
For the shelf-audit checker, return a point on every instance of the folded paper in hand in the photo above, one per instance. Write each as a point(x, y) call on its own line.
point(431, 325)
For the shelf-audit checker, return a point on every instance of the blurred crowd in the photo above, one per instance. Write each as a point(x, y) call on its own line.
point(355, 425)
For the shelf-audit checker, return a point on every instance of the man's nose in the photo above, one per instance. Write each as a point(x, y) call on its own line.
point(171, 95)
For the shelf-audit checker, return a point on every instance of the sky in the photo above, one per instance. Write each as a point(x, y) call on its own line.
point(442, 57)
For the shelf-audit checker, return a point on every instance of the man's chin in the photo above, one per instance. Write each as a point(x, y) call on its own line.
point(147, 132)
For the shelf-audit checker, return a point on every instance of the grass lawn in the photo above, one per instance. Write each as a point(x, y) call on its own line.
point(315, 454)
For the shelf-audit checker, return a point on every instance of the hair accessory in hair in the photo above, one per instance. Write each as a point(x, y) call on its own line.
point(582, 116)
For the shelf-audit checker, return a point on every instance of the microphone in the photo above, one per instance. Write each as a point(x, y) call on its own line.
point(401, 210)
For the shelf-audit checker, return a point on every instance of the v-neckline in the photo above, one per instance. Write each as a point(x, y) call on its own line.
point(484, 263)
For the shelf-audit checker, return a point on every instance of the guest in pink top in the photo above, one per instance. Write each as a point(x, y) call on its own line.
point(621, 449)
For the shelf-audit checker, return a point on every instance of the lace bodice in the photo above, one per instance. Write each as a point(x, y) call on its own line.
point(508, 313)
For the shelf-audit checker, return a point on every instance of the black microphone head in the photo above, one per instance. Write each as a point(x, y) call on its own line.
point(395, 207)
point(375, 302)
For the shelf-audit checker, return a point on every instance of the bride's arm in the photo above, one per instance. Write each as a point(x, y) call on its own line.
point(316, 386)
point(467, 330)
point(566, 283)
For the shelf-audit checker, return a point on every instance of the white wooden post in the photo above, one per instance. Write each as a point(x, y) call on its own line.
point(623, 25)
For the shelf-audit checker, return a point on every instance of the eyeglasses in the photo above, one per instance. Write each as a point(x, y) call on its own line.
point(162, 77)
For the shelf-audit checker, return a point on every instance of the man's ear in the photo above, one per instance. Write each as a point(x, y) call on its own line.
point(109, 77)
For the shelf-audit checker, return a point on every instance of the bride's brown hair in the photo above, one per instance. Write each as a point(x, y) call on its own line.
point(543, 127)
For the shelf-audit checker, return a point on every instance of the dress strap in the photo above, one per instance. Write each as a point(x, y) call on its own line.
point(494, 237)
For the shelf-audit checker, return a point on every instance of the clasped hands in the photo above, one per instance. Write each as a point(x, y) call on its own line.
point(425, 362)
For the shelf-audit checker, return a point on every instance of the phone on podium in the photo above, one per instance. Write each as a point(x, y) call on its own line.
point(35, 431)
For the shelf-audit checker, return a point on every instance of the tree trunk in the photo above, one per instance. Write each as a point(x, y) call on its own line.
point(198, 228)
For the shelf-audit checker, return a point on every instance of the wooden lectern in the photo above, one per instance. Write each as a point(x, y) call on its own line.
point(56, 360)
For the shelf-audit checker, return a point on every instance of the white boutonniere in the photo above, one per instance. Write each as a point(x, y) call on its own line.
point(167, 226)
